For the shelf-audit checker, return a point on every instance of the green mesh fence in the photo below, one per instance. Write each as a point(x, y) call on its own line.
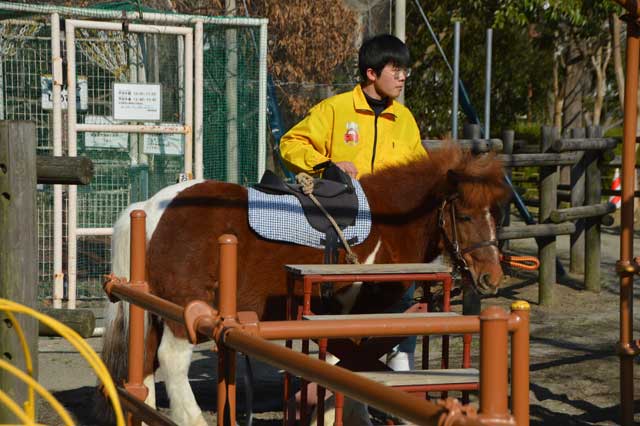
point(129, 167)
point(217, 117)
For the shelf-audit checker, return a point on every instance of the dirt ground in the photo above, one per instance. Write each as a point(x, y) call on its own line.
point(574, 369)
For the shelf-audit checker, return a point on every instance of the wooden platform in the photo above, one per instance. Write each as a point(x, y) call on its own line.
point(400, 315)
point(424, 377)
point(379, 268)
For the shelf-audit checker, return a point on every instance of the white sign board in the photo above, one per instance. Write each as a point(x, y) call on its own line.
point(46, 96)
point(137, 102)
point(166, 144)
point(93, 140)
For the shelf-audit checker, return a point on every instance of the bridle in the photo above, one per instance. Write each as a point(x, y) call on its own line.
point(452, 243)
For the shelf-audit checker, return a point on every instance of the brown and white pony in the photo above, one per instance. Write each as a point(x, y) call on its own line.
point(411, 209)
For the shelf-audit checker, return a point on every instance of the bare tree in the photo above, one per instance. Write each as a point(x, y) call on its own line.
point(615, 29)
point(600, 62)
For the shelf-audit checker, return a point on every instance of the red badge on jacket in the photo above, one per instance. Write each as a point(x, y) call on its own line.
point(351, 137)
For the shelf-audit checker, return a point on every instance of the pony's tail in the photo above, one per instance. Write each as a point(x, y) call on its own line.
point(115, 350)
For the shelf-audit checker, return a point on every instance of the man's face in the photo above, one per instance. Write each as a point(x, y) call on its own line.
point(391, 81)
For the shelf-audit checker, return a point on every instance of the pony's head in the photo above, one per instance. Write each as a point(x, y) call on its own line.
point(470, 189)
point(446, 200)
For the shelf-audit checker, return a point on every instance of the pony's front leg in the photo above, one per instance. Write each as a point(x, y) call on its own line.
point(174, 357)
point(150, 382)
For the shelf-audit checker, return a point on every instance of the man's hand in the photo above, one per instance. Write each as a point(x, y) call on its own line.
point(348, 167)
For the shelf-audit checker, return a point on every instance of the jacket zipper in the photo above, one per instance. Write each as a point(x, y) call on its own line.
point(375, 141)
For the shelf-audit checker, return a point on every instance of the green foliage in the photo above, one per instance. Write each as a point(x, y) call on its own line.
point(530, 132)
point(524, 12)
point(520, 66)
point(614, 132)
point(527, 35)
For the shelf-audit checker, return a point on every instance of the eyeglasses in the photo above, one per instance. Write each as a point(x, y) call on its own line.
point(399, 72)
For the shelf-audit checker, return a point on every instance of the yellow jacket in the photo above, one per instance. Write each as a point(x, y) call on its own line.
point(344, 128)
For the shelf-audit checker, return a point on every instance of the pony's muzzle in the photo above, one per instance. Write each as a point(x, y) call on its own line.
point(485, 284)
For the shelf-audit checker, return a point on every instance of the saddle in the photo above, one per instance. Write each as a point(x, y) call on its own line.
point(335, 192)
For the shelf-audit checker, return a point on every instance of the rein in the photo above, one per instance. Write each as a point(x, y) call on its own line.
point(452, 243)
point(307, 187)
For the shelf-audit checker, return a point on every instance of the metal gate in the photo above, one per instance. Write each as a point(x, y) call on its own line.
point(113, 50)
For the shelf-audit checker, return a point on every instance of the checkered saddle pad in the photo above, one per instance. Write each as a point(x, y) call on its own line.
point(282, 218)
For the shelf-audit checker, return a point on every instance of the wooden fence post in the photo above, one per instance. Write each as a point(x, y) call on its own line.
point(548, 188)
point(18, 250)
point(576, 254)
point(508, 138)
point(592, 225)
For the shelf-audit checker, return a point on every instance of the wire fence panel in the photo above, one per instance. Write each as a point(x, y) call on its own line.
point(231, 66)
point(129, 167)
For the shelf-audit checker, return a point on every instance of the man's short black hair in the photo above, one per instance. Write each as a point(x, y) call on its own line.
point(378, 51)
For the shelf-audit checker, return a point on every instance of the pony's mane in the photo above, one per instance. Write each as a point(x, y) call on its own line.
point(478, 180)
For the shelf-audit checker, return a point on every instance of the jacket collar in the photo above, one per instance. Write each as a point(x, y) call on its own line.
point(360, 102)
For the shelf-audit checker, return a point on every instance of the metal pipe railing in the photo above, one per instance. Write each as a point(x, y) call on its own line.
point(227, 297)
point(135, 385)
point(338, 379)
point(494, 376)
point(243, 331)
point(627, 213)
point(151, 303)
point(275, 330)
point(520, 363)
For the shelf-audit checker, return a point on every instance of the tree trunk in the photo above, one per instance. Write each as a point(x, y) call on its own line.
point(617, 56)
point(558, 98)
point(600, 62)
point(572, 107)
point(530, 103)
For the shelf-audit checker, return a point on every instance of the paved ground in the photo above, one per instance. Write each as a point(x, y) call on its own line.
point(574, 370)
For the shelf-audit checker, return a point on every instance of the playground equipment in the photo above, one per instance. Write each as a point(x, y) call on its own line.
point(627, 267)
point(21, 170)
point(364, 356)
point(242, 331)
point(28, 415)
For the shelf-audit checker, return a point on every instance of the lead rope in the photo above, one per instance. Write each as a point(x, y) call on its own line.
point(528, 263)
point(307, 188)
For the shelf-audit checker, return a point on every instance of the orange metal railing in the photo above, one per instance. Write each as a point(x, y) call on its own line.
point(627, 266)
point(242, 331)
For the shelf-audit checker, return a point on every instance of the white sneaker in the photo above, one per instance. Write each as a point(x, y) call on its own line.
point(401, 361)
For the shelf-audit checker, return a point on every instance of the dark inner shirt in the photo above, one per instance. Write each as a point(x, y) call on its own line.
point(377, 105)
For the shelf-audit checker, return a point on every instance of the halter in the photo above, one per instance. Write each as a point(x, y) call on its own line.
point(452, 244)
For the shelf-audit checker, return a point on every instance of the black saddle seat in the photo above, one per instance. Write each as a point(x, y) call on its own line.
point(335, 192)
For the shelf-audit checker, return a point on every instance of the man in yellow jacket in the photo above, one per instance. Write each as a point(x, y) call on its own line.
point(363, 130)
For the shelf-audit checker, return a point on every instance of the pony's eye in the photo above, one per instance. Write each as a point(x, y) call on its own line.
point(464, 218)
